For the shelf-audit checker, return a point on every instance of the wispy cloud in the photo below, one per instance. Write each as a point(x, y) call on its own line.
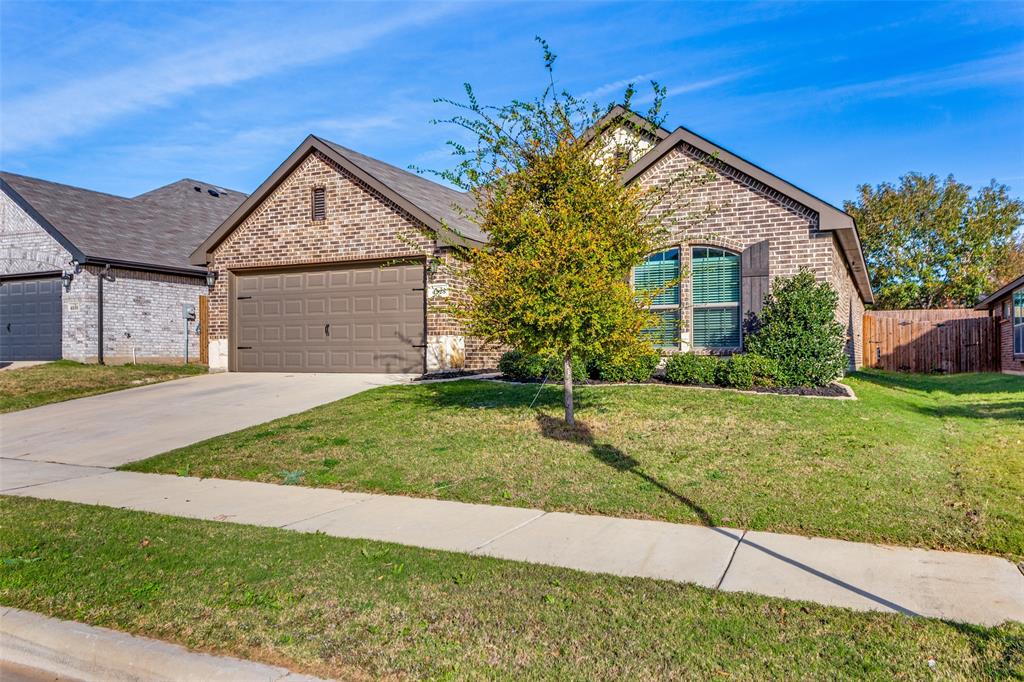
point(617, 86)
point(84, 104)
point(697, 85)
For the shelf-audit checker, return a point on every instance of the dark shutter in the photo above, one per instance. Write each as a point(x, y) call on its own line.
point(754, 272)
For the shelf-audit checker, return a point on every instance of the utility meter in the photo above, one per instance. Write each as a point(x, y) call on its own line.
point(188, 311)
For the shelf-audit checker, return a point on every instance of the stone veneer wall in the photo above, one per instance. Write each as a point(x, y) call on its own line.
point(746, 213)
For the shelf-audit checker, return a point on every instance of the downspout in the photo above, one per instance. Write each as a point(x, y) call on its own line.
point(102, 275)
point(99, 318)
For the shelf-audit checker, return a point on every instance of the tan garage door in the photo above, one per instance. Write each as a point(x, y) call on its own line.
point(358, 318)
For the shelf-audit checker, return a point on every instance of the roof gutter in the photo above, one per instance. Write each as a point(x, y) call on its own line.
point(146, 267)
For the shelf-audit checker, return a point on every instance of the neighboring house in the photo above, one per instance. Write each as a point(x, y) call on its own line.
point(93, 277)
point(1007, 305)
point(332, 263)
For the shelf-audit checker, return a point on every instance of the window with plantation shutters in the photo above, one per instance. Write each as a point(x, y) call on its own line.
point(716, 298)
point(319, 203)
point(660, 274)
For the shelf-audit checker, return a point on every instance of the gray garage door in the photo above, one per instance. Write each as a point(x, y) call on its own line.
point(365, 318)
point(30, 319)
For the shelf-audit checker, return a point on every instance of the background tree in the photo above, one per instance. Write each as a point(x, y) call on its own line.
point(564, 231)
point(930, 244)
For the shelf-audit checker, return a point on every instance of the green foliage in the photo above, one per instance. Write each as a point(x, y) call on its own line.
point(520, 366)
point(797, 328)
point(747, 371)
point(635, 363)
point(564, 232)
point(930, 244)
point(691, 368)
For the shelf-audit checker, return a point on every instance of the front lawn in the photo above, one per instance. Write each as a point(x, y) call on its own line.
point(935, 461)
point(62, 380)
point(356, 609)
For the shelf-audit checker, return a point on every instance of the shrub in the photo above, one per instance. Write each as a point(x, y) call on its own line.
point(521, 366)
point(797, 328)
point(633, 363)
point(748, 370)
point(690, 368)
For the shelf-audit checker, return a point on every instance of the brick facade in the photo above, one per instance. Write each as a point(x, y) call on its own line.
point(360, 225)
point(363, 225)
point(746, 212)
point(1003, 310)
point(142, 310)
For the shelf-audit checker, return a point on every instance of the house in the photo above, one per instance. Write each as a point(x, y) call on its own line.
point(94, 277)
point(332, 264)
point(1007, 305)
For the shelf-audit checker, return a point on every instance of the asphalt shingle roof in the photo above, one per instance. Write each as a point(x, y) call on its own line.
point(161, 227)
point(431, 197)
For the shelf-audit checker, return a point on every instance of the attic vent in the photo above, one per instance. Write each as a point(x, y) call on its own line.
point(319, 203)
point(198, 188)
point(213, 192)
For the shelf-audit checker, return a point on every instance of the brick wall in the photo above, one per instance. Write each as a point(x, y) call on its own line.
point(24, 245)
point(142, 310)
point(1007, 362)
point(360, 224)
point(747, 212)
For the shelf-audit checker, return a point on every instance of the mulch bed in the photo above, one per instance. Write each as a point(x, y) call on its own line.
point(833, 390)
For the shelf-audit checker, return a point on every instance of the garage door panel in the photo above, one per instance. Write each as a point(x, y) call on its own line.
point(375, 316)
point(30, 319)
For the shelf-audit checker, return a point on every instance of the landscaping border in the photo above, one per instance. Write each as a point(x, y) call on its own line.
point(839, 390)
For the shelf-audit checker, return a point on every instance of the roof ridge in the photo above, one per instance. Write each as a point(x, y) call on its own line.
point(64, 184)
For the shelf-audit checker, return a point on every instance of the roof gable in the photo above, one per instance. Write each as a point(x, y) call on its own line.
point(431, 203)
point(830, 218)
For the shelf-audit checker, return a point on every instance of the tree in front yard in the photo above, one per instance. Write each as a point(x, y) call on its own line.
point(930, 244)
point(797, 328)
point(564, 231)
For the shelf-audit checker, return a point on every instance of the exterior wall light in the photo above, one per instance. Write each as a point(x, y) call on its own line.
point(66, 277)
point(211, 278)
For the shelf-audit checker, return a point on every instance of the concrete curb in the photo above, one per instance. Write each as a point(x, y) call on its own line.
point(84, 652)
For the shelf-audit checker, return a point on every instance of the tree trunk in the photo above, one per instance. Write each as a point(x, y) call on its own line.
point(570, 419)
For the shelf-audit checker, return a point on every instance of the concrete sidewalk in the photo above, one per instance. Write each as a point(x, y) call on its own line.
point(964, 587)
point(37, 647)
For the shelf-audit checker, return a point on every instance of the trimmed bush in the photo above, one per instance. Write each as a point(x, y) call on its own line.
point(634, 363)
point(747, 371)
point(690, 368)
point(797, 328)
point(521, 366)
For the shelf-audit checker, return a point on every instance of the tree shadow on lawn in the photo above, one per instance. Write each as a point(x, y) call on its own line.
point(556, 429)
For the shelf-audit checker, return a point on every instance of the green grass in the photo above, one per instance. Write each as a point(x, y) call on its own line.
point(366, 610)
point(62, 380)
point(934, 461)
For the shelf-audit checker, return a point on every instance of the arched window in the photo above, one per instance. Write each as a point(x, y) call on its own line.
point(716, 298)
point(654, 274)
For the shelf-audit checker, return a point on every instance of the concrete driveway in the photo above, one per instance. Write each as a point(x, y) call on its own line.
point(112, 429)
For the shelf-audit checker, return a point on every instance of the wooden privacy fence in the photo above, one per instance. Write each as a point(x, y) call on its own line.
point(931, 341)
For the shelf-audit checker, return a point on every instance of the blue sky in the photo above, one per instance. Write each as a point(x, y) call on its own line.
point(125, 97)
